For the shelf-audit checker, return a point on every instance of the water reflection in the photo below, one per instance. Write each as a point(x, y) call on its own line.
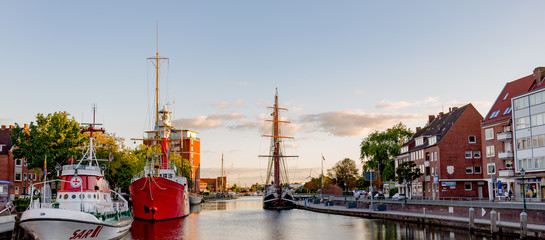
point(245, 219)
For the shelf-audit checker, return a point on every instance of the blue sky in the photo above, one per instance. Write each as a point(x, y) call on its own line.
point(343, 68)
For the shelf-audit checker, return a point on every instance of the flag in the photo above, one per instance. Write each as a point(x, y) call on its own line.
point(45, 166)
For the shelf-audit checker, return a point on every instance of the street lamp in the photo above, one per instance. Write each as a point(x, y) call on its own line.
point(522, 172)
point(406, 190)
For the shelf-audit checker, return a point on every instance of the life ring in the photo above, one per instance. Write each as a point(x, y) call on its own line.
point(36, 192)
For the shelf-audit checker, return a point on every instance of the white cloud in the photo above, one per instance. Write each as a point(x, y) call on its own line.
point(352, 123)
point(224, 105)
point(431, 101)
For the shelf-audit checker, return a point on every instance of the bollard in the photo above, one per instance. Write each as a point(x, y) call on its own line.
point(471, 219)
point(523, 225)
point(493, 218)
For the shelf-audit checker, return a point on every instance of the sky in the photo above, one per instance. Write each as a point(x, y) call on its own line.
point(342, 68)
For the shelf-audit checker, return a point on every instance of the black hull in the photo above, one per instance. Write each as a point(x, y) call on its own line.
point(274, 203)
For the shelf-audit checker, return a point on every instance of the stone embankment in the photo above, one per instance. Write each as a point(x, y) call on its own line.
point(529, 224)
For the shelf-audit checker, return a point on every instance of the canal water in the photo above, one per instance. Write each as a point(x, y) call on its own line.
point(245, 219)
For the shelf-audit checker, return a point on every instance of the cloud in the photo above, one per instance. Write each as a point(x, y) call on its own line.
point(224, 105)
point(208, 122)
point(403, 104)
point(352, 123)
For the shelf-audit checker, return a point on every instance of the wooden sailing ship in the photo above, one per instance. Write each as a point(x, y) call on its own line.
point(277, 195)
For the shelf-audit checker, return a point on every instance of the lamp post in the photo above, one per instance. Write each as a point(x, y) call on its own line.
point(522, 172)
point(406, 189)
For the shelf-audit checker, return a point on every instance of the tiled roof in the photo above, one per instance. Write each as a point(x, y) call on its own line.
point(503, 102)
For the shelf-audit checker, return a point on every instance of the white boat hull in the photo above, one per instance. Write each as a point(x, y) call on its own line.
point(47, 223)
point(7, 223)
point(194, 200)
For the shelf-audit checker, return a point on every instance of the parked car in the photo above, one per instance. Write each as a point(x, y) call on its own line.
point(398, 197)
point(379, 195)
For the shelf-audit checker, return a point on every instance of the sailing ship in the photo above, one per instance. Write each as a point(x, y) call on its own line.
point(277, 195)
point(85, 206)
point(158, 192)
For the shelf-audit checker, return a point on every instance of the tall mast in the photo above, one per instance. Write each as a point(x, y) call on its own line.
point(276, 155)
point(221, 172)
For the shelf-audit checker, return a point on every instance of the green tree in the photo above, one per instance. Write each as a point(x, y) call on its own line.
point(234, 188)
point(407, 172)
point(55, 136)
point(345, 173)
point(361, 183)
point(316, 183)
point(379, 149)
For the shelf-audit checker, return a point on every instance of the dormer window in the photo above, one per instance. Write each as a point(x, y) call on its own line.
point(507, 111)
point(419, 141)
point(494, 114)
point(507, 94)
point(432, 140)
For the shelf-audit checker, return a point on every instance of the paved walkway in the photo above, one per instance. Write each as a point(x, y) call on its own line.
point(348, 211)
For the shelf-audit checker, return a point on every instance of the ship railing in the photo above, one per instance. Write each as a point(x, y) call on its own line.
point(43, 199)
point(82, 167)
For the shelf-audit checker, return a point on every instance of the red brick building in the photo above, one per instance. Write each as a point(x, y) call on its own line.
point(191, 150)
point(15, 170)
point(448, 152)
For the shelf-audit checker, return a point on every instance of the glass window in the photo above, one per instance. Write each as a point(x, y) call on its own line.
point(477, 169)
point(472, 139)
point(521, 103)
point(491, 168)
point(469, 170)
point(507, 111)
point(523, 122)
point(490, 151)
point(538, 141)
point(24, 176)
point(18, 162)
point(477, 154)
point(467, 186)
point(18, 177)
point(469, 154)
point(489, 133)
point(538, 119)
point(494, 114)
point(523, 143)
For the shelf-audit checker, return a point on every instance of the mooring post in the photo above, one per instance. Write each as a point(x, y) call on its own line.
point(493, 219)
point(523, 225)
point(471, 219)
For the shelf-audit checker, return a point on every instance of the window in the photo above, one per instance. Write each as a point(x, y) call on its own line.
point(34, 176)
point(523, 122)
point(477, 154)
point(16, 190)
point(24, 176)
point(505, 96)
point(435, 156)
point(477, 170)
point(469, 170)
point(18, 177)
point(472, 139)
point(521, 103)
point(494, 114)
point(419, 141)
point(538, 141)
point(427, 156)
point(507, 111)
point(490, 151)
point(525, 163)
point(491, 168)
point(432, 140)
point(523, 143)
point(469, 154)
point(489, 133)
point(18, 162)
point(467, 186)
point(538, 119)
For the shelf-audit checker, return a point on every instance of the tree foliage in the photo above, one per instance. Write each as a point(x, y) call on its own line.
point(55, 136)
point(407, 171)
point(379, 149)
point(345, 173)
point(316, 183)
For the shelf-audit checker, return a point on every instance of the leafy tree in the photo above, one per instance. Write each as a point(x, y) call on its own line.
point(234, 188)
point(361, 183)
point(379, 149)
point(407, 171)
point(55, 136)
point(316, 183)
point(345, 173)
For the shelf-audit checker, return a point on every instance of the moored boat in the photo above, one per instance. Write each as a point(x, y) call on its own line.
point(85, 207)
point(159, 192)
point(277, 195)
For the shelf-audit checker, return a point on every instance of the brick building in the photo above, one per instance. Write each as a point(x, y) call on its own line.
point(497, 140)
point(448, 152)
point(15, 170)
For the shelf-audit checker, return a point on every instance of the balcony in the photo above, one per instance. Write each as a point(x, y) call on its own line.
point(505, 155)
point(506, 172)
point(505, 136)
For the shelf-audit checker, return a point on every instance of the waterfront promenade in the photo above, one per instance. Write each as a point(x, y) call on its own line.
point(507, 219)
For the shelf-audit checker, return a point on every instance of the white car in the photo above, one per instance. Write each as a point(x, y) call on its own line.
point(398, 196)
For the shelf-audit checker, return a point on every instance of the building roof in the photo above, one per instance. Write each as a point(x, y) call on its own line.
point(501, 110)
point(440, 126)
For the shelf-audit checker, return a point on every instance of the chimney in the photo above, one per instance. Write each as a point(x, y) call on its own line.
point(431, 118)
point(440, 115)
point(454, 108)
point(449, 110)
point(539, 73)
point(3, 126)
point(11, 126)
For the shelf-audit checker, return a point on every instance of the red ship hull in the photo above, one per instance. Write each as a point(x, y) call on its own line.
point(158, 199)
